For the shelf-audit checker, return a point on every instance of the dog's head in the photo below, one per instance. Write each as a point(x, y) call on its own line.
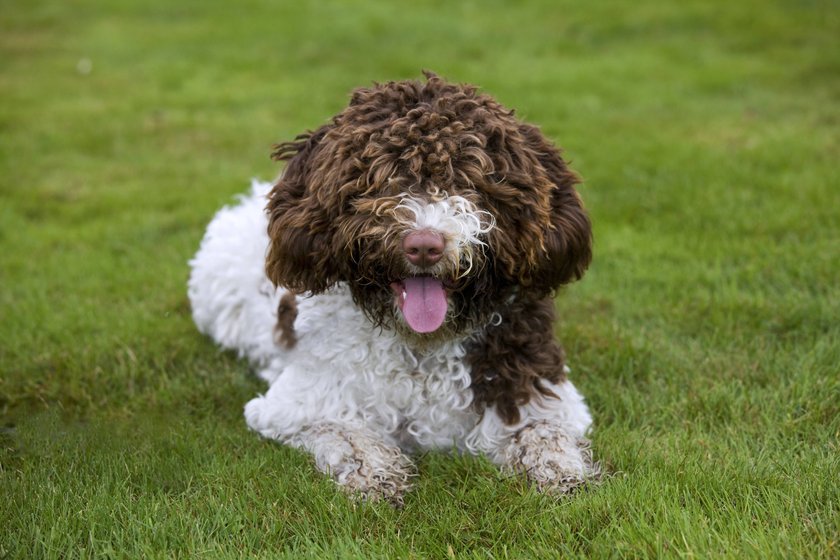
point(432, 202)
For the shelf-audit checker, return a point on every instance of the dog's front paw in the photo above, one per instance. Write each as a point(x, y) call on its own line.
point(553, 461)
point(362, 464)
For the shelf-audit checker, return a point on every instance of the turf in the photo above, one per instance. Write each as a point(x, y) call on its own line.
point(705, 335)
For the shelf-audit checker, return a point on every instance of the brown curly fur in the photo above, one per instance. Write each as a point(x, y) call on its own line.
point(510, 360)
point(334, 218)
point(284, 330)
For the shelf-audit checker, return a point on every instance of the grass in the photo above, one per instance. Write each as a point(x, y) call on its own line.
point(705, 336)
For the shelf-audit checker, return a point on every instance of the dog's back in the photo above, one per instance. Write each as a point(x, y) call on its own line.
point(232, 300)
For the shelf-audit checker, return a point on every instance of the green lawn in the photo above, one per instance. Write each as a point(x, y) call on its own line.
point(706, 335)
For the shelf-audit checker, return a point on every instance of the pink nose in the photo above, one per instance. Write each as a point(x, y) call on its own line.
point(423, 248)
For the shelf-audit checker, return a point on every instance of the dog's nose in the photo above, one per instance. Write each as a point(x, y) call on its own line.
point(423, 248)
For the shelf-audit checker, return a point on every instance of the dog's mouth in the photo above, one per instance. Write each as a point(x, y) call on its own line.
point(422, 301)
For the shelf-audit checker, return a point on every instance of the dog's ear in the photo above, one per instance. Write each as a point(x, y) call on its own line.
point(300, 225)
point(568, 241)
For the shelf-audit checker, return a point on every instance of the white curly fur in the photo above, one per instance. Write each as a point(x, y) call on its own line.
point(457, 220)
point(359, 397)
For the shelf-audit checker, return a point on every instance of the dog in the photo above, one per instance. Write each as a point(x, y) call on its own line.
point(395, 288)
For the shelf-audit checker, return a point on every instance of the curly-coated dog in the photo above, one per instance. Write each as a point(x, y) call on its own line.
point(394, 288)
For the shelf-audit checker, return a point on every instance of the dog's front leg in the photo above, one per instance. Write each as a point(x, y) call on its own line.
point(356, 457)
point(548, 444)
point(553, 460)
point(358, 460)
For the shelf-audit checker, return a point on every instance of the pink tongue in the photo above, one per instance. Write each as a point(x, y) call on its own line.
point(425, 304)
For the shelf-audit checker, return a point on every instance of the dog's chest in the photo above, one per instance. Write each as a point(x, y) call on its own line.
point(424, 399)
point(421, 397)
